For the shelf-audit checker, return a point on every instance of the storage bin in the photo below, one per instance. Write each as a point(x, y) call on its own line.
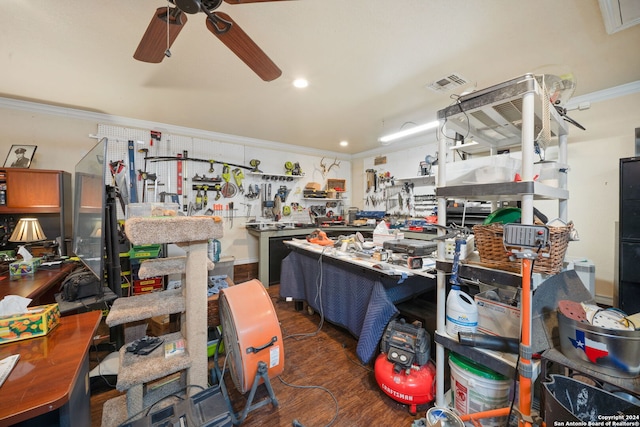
point(610, 351)
point(489, 242)
point(483, 170)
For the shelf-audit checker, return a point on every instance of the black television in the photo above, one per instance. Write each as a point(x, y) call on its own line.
point(95, 240)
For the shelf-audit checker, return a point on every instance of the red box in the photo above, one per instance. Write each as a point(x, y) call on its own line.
point(147, 285)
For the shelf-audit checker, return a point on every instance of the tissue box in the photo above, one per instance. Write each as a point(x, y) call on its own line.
point(38, 321)
point(23, 268)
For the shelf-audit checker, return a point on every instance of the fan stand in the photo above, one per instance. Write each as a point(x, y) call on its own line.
point(238, 418)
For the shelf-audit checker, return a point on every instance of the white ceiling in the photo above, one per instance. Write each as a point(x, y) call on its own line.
point(368, 61)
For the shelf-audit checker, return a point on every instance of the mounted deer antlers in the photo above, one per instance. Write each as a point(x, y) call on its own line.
point(325, 169)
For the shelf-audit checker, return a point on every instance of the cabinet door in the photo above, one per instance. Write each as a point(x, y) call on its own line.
point(33, 189)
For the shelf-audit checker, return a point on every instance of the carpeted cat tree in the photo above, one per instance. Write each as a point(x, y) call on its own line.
point(190, 300)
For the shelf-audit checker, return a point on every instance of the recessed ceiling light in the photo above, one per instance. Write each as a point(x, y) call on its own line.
point(344, 143)
point(300, 83)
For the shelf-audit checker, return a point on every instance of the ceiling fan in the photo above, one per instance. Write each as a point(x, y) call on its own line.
point(167, 22)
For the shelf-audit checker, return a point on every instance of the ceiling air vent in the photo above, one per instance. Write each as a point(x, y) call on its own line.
point(448, 83)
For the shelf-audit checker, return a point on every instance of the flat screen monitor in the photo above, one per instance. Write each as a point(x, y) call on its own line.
point(89, 209)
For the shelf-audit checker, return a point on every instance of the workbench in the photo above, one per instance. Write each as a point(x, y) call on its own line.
point(272, 250)
point(348, 291)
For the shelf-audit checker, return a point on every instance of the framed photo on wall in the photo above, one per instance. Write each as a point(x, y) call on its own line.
point(20, 156)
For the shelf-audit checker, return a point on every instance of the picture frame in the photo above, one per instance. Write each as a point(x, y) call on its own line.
point(20, 156)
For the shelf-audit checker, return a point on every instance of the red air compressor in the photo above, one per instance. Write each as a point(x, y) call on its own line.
point(403, 369)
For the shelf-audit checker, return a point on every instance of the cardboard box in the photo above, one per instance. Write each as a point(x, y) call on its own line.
point(499, 317)
point(36, 322)
point(23, 268)
point(338, 185)
point(162, 325)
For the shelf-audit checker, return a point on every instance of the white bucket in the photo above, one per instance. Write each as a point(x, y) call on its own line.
point(462, 313)
point(475, 388)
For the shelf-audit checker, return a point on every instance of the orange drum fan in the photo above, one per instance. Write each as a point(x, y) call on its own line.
point(253, 343)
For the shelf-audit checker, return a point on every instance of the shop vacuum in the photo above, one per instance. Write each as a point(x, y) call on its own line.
point(403, 369)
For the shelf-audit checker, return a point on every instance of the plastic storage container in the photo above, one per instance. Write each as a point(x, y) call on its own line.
point(475, 388)
point(462, 312)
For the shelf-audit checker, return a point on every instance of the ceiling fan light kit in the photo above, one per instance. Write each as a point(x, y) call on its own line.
point(167, 22)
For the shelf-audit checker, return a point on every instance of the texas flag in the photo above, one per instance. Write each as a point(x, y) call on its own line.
point(593, 349)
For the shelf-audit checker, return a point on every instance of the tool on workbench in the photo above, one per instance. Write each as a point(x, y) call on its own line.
point(319, 237)
point(238, 176)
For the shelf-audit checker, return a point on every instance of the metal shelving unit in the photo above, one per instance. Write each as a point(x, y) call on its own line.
point(516, 113)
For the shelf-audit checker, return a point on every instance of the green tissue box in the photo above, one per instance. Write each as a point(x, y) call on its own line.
point(23, 268)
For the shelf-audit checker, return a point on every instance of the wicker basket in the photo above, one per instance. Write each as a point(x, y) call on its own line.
point(488, 240)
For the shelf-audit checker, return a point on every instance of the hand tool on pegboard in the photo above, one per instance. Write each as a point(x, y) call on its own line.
point(133, 187)
point(155, 136)
point(228, 188)
point(145, 151)
point(185, 177)
point(118, 172)
point(198, 204)
point(238, 176)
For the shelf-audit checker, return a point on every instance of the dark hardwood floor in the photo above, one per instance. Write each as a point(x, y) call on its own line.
point(318, 368)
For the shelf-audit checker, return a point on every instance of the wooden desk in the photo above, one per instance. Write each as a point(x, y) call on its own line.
point(51, 379)
point(40, 287)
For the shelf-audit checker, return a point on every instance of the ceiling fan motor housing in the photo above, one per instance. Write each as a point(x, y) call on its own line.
point(195, 6)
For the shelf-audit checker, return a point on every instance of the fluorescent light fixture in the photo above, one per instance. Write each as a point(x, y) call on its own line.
point(407, 132)
point(460, 146)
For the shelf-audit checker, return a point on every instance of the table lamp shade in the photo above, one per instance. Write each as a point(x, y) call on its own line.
point(27, 230)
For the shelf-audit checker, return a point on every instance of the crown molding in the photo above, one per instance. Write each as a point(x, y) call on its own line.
point(603, 95)
point(102, 118)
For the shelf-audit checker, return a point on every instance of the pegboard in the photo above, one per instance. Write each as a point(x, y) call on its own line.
point(164, 182)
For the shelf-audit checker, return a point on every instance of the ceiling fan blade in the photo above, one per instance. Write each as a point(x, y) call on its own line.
point(248, 1)
point(155, 41)
point(230, 33)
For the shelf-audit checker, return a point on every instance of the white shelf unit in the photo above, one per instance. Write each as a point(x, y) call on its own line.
point(511, 114)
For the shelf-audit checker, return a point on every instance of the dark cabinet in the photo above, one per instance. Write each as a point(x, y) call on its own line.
point(44, 194)
point(629, 236)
